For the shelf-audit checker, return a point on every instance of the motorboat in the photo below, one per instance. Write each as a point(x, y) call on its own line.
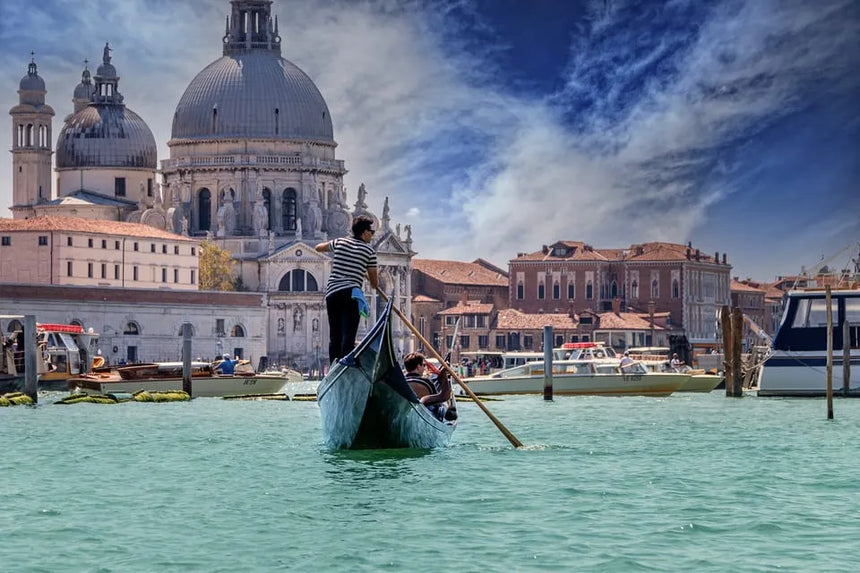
point(63, 351)
point(656, 359)
point(578, 377)
point(206, 381)
point(797, 363)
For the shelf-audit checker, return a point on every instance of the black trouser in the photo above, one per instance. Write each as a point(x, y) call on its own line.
point(343, 320)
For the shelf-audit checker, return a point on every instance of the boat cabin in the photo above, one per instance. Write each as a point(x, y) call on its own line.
point(804, 322)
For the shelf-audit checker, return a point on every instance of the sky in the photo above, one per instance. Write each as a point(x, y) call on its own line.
point(499, 126)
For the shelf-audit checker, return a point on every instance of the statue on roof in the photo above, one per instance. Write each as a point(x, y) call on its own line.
point(362, 196)
point(106, 53)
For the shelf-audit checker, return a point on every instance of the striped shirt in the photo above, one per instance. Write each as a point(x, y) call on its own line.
point(352, 258)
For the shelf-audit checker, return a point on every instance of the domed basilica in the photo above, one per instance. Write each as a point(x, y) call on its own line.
point(252, 167)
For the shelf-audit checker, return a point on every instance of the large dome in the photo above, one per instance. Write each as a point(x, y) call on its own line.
point(252, 94)
point(106, 136)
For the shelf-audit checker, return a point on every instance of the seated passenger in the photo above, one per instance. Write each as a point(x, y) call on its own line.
point(433, 395)
point(626, 360)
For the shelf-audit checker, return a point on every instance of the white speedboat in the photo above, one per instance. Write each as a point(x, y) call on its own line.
point(166, 376)
point(797, 365)
point(578, 377)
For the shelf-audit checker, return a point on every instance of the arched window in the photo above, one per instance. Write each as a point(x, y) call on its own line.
point(131, 328)
point(634, 289)
point(655, 289)
point(520, 290)
point(676, 289)
point(288, 207)
point(541, 290)
point(43, 136)
point(613, 289)
point(589, 290)
point(298, 280)
point(267, 202)
point(14, 326)
point(556, 290)
point(76, 322)
point(571, 289)
point(20, 135)
point(237, 332)
point(29, 134)
point(204, 205)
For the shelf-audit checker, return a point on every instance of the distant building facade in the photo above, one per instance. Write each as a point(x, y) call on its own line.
point(144, 325)
point(574, 277)
point(74, 251)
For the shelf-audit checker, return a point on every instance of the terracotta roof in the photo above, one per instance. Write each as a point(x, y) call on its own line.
point(92, 226)
point(654, 251)
point(738, 286)
point(513, 319)
point(424, 298)
point(625, 321)
point(472, 307)
point(457, 272)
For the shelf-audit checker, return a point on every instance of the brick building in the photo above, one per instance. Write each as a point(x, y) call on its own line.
point(573, 277)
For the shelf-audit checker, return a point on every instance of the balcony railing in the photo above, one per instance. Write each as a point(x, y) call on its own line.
point(241, 160)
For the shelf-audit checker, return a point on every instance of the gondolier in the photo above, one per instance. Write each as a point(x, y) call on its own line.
point(354, 259)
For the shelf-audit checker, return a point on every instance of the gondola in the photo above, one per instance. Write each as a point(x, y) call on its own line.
point(366, 403)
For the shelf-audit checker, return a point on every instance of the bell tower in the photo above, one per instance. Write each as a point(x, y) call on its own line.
point(31, 145)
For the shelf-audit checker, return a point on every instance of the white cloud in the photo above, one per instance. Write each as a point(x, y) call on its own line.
point(476, 170)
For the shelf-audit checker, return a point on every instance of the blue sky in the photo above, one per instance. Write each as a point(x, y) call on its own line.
point(497, 126)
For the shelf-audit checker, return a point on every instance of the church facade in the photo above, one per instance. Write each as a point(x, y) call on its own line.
point(252, 168)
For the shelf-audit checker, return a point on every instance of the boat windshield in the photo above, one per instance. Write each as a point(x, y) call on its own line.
point(812, 313)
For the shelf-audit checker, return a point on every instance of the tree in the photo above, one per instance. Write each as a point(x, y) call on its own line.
point(216, 267)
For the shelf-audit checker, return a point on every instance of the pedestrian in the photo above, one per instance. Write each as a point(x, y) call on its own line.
point(353, 259)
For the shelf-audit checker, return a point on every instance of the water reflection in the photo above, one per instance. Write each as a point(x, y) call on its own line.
point(359, 465)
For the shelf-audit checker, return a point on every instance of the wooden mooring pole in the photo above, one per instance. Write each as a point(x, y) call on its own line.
point(547, 362)
point(31, 381)
point(846, 357)
point(186, 357)
point(726, 324)
point(827, 300)
point(737, 339)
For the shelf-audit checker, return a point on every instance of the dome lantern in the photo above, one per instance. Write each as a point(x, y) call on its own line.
point(250, 27)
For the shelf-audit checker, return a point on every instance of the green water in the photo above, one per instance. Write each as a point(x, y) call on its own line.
point(687, 483)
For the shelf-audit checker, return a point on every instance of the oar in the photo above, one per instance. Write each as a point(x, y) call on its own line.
point(511, 438)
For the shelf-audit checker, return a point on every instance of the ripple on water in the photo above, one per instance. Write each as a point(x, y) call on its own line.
point(693, 483)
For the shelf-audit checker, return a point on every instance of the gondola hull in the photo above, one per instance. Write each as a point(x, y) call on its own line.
point(366, 403)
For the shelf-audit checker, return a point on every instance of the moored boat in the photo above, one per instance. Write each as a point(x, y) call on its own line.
point(167, 376)
point(578, 377)
point(798, 361)
point(366, 403)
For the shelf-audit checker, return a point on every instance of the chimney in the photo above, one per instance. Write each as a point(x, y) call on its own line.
point(689, 244)
point(698, 256)
point(616, 305)
point(545, 249)
point(687, 253)
point(464, 297)
point(717, 257)
point(724, 258)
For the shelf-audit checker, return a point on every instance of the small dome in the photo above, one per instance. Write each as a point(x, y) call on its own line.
point(106, 70)
point(32, 82)
point(252, 94)
point(106, 136)
point(84, 91)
